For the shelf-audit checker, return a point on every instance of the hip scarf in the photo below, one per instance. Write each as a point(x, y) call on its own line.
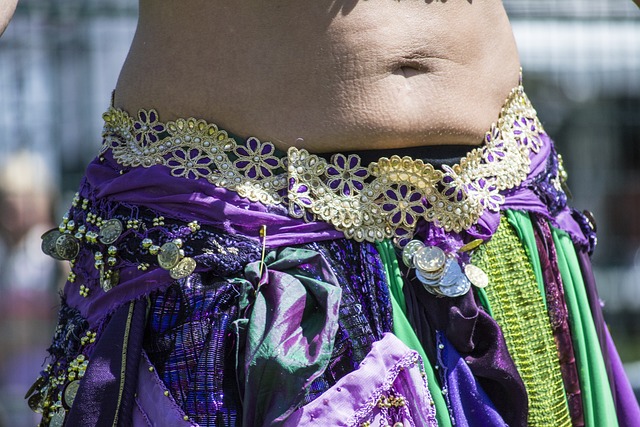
point(220, 283)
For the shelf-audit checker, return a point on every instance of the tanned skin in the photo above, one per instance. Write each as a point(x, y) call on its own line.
point(325, 75)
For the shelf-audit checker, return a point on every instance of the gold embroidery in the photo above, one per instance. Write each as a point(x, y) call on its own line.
point(383, 200)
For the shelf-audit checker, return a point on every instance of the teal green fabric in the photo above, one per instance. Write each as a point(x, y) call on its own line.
point(290, 332)
point(599, 408)
point(403, 330)
point(521, 222)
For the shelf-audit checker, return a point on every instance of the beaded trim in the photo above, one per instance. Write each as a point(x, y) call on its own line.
point(383, 200)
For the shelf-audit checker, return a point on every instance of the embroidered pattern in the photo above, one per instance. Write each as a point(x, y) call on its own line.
point(383, 200)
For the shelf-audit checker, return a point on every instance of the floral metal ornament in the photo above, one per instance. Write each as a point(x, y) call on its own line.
point(385, 199)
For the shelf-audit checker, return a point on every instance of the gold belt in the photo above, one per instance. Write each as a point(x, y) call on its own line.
point(383, 200)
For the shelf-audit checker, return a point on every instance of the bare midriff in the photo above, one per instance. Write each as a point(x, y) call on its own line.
point(325, 75)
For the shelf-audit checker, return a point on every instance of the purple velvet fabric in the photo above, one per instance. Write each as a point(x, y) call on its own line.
point(468, 403)
point(478, 339)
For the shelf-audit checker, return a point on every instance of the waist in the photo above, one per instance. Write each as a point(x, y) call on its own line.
point(297, 75)
point(383, 199)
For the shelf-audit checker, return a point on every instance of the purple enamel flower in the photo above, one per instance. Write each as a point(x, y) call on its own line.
point(403, 206)
point(256, 159)
point(526, 130)
point(345, 174)
point(189, 163)
point(147, 127)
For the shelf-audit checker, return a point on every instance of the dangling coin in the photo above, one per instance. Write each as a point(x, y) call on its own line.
point(475, 274)
point(452, 274)
point(427, 281)
point(410, 250)
point(169, 255)
point(471, 245)
point(429, 259)
point(67, 246)
point(35, 403)
point(110, 231)
point(109, 279)
point(36, 386)
point(69, 394)
point(57, 419)
point(49, 242)
point(185, 267)
point(459, 288)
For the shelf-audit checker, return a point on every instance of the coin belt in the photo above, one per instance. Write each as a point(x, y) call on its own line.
point(104, 236)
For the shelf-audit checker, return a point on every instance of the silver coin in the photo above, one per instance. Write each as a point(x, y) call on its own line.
point(169, 255)
point(49, 242)
point(434, 290)
point(109, 279)
point(458, 289)
point(110, 231)
point(67, 247)
point(429, 259)
point(409, 252)
point(426, 280)
point(185, 267)
point(476, 275)
point(70, 392)
point(452, 273)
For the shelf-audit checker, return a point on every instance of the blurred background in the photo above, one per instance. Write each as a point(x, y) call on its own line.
point(59, 61)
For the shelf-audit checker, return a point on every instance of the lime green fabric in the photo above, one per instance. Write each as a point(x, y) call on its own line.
point(521, 222)
point(599, 408)
point(403, 330)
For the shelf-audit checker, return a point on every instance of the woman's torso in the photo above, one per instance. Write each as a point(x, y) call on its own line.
point(325, 75)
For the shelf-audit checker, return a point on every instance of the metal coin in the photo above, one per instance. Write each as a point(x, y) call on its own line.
point(67, 246)
point(185, 267)
point(429, 259)
point(452, 274)
point(49, 242)
point(168, 255)
point(410, 250)
point(70, 392)
point(35, 403)
point(434, 290)
point(109, 279)
point(436, 275)
point(477, 277)
point(57, 419)
point(36, 386)
point(458, 289)
point(110, 231)
point(426, 280)
point(471, 245)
